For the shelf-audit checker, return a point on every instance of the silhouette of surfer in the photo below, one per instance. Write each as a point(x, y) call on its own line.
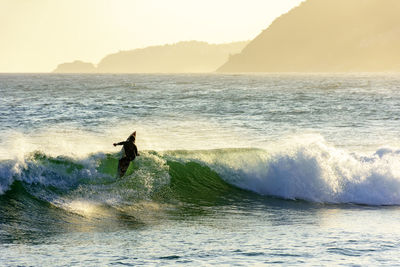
point(130, 153)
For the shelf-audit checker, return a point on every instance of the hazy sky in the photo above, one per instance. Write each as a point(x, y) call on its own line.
point(37, 35)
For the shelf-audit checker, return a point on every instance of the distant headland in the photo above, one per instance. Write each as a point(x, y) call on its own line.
point(182, 57)
point(75, 67)
point(326, 36)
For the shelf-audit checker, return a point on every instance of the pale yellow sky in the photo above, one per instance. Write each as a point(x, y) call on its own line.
point(37, 35)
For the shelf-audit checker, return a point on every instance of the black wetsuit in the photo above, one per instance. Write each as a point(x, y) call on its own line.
point(130, 154)
point(130, 149)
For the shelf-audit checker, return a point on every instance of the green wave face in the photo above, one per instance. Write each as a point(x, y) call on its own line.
point(172, 175)
point(177, 183)
point(84, 194)
point(196, 183)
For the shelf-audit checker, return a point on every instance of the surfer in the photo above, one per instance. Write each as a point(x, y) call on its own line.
point(130, 153)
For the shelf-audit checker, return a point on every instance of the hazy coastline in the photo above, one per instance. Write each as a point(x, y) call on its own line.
point(182, 57)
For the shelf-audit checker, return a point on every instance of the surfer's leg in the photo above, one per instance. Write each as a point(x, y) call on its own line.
point(120, 167)
point(123, 165)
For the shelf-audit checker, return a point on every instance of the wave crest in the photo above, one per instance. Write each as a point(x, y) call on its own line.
point(306, 168)
point(311, 169)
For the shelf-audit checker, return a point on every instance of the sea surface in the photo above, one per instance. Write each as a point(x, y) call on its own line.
point(273, 169)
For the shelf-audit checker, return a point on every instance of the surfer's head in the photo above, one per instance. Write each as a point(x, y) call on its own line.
point(131, 138)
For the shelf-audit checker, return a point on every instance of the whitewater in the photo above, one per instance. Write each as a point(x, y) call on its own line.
point(234, 169)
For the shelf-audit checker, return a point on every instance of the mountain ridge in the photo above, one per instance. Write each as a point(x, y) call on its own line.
point(326, 36)
point(181, 57)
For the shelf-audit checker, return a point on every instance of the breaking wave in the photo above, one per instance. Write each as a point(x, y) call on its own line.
point(307, 169)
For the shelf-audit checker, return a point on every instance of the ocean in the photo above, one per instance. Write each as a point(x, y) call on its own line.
point(240, 169)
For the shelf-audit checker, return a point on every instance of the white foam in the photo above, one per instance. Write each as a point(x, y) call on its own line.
point(33, 171)
point(7, 171)
point(309, 168)
point(317, 171)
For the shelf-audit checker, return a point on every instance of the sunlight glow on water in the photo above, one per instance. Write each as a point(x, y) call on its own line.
point(219, 156)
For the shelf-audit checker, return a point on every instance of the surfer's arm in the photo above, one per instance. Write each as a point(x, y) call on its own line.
point(119, 144)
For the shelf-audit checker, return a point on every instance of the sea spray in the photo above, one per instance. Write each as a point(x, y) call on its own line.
point(8, 168)
point(303, 167)
point(308, 168)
